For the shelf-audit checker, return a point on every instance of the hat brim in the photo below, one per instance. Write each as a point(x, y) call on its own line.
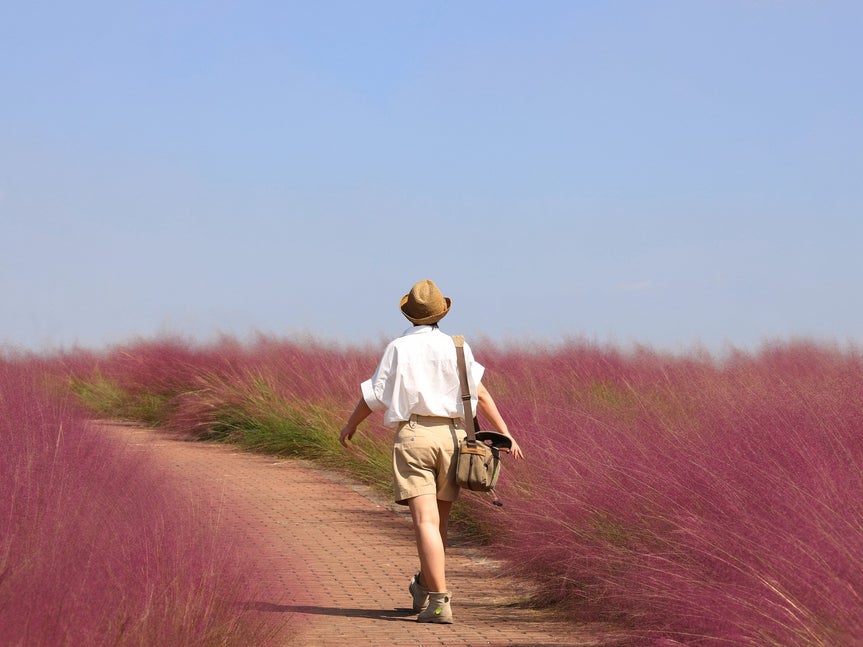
point(495, 439)
point(430, 319)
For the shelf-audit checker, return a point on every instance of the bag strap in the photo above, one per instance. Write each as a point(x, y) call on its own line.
point(470, 424)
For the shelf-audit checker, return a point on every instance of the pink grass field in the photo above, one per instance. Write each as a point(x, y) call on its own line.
point(96, 548)
point(692, 500)
point(687, 499)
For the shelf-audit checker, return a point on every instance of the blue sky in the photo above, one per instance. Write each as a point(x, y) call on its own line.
point(667, 173)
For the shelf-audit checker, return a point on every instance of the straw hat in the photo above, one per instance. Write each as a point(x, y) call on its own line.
point(425, 304)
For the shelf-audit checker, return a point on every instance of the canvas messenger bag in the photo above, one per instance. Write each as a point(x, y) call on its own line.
point(478, 454)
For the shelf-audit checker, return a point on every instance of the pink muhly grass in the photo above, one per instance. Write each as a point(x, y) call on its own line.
point(706, 503)
point(191, 385)
point(95, 547)
point(682, 497)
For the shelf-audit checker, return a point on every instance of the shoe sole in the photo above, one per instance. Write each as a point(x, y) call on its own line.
point(436, 621)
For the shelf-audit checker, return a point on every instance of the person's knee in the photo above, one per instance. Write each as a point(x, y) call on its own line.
point(424, 509)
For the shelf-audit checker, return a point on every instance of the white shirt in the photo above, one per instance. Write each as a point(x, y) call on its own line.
point(418, 374)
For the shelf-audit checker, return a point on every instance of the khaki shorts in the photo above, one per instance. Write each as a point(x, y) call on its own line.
point(424, 450)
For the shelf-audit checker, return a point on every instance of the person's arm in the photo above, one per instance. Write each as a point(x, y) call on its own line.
point(488, 409)
point(361, 412)
point(372, 398)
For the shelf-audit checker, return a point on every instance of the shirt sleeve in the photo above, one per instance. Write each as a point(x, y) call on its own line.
point(368, 390)
point(376, 388)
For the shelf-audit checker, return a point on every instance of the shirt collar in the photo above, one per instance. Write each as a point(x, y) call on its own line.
point(416, 330)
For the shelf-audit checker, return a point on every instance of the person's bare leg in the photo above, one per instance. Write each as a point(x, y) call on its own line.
point(443, 509)
point(430, 543)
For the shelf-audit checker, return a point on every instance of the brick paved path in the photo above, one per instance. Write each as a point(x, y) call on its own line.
point(357, 553)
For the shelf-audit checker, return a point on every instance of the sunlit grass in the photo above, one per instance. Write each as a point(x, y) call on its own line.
point(700, 501)
point(96, 547)
point(683, 497)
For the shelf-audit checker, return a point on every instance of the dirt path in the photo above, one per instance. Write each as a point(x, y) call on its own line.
point(357, 555)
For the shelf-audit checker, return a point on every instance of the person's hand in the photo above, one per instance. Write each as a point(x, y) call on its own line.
point(347, 434)
point(515, 450)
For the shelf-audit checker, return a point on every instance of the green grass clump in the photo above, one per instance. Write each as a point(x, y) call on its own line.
point(108, 399)
point(249, 412)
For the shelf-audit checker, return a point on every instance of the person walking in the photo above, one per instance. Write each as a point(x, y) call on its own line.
point(417, 387)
